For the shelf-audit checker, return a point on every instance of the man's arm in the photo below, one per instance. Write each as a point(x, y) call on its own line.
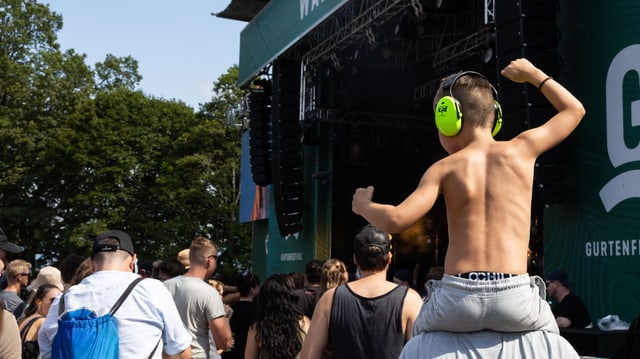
point(317, 337)
point(560, 126)
point(251, 348)
point(410, 310)
point(48, 330)
point(221, 331)
point(395, 219)
point(185, 354)
point(563, 322)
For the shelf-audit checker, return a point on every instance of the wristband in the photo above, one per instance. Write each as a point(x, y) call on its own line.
point(543, 81)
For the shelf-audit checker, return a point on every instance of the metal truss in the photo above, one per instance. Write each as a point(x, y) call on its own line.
point(469, 44)
point(489, 11)
point(368, 119)
point(354, 21)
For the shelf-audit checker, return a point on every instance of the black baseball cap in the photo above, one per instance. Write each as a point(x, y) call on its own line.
point(8, 246)
point(560, 276)
point(124, 240)
point(369, 236)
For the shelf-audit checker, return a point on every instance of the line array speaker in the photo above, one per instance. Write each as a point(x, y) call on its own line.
point(288, 174)
point(527, 28)
point(260, 133)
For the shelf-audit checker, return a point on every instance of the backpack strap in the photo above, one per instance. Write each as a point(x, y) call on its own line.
point(124, 296)
point(156, 347)
point(25, 329)
point(61, 304)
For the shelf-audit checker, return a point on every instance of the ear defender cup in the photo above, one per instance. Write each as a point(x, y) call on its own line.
point(498, 125)
point(448, 116)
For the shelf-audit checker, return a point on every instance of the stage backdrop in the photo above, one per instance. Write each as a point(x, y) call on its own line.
point(595, 236)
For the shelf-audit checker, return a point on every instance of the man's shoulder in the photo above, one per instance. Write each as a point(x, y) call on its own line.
point(572, 299)
point(10, 296)
point(117, 283)
point(7, 293)
point(183, 286)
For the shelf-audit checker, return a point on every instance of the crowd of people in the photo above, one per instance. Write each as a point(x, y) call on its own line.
point(482, 297)
point(184, 313)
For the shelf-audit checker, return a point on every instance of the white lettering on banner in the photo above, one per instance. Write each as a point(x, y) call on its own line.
point(625, 185)
point(612, 248)
point(290, 257)
point(307, 6)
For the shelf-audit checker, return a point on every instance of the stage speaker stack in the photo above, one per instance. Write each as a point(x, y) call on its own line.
point(527, 28)
point(260, 132)
point(288, 174)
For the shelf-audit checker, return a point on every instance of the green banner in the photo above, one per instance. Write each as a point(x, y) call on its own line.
point(595, 237)
point(276, 28)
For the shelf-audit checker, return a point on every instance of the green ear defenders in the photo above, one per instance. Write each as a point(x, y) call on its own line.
point(448, 115)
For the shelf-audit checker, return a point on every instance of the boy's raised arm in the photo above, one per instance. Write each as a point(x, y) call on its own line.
point(560, 126)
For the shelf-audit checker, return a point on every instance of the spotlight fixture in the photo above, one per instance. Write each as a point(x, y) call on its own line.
point(396, 29)
point(487, 55)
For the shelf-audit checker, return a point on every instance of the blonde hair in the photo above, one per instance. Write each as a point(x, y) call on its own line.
point(333, 275)
point(16, 267)
point(217, 285)
point(200, 249)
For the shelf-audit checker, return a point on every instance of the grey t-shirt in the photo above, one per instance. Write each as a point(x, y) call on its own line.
point(12, 302)
point(197, 302)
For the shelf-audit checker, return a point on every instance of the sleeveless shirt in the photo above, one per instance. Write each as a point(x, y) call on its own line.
point(362, 327)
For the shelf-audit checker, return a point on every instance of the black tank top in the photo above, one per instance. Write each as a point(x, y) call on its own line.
point(366, 327)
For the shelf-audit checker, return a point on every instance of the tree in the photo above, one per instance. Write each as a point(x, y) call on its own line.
point(115, 72)
point(234, 237)
point(39, 87)
point(78, 157)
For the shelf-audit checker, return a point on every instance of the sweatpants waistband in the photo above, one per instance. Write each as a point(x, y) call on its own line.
point(484, 275)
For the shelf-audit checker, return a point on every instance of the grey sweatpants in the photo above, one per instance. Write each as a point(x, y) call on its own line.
point(488, 345)
point(459, 305)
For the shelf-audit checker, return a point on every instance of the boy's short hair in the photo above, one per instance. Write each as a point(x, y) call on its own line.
point(475, 96)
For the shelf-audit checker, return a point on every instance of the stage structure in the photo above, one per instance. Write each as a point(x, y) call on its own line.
point(342, 97)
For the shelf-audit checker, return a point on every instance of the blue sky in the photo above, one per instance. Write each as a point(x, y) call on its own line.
point(180, 47)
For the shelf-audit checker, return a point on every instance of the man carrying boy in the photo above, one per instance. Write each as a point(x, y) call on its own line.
point(487, 187)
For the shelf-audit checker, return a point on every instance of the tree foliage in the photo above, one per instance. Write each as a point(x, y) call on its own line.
point(82, 150)
point(116, 72)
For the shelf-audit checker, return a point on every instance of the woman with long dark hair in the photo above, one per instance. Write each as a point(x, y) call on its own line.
point(34, 317)
point(280, 326)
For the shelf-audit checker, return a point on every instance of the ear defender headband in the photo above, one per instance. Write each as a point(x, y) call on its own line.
point(448, 115)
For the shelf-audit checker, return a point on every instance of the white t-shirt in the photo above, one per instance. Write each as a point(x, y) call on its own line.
point(197, 302)
point(147, 314)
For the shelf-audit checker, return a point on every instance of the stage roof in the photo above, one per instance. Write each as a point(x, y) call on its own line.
point(242, 10)
point(273, 29)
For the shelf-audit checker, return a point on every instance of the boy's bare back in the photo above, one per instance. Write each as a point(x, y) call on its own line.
point(487, 186)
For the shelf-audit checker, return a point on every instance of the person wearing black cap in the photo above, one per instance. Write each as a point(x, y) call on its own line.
point(570, 311)
point(6, 247)
point(370, 317)
point(147, 318)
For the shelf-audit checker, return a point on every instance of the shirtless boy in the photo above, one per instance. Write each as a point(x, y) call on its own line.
point(487, 187)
